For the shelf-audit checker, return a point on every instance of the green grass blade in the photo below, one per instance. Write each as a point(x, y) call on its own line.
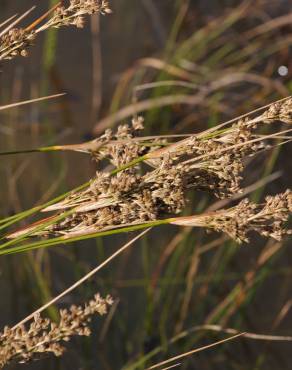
point(66, 240)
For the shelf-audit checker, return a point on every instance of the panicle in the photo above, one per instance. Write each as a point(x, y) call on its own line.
point(210, 161)
point(279, 111)
point(268, 219)
point(44, 336)
point(16, 41)
point(75, 12)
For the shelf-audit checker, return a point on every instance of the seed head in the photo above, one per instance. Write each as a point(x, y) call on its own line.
point(44, 336)
point(267, 219)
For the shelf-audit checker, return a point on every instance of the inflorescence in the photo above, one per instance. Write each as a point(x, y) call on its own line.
point(16, 41)
point(43, 336)
point(211, 161)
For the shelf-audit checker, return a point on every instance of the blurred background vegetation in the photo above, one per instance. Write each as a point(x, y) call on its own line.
point(151, 58)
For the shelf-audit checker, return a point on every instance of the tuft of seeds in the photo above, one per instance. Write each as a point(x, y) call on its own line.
point(121, 146)
point(16, 41)
point(44, 336)
point(267, 219)
point(73, 15)
point(279, 111)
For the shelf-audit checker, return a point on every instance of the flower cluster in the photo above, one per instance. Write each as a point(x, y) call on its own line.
point(44, 336)
point(280, 111)
point(73, 15)
point(267, 219)
point(208, 161)
point(211, 161)
point(16, 41)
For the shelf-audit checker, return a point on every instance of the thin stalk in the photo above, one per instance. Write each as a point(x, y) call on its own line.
point(85, 147)
point(25, 102)
point(15, 22)
point(42, 226)
point(25, 214)
point(36, 150)
point(66, 240)
point(83, 279)
point(196, 350)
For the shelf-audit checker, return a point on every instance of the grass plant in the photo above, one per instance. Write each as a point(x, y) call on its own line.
point(186, 176)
